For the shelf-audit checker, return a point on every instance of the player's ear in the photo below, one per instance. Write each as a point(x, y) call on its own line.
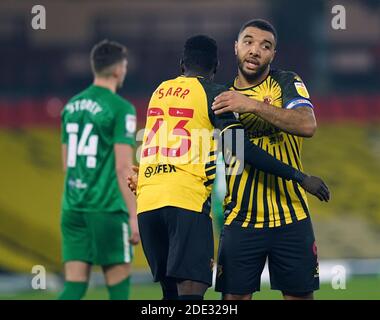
point(117, 70)
point(236, 44)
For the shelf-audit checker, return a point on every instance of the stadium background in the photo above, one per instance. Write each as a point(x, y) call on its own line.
point(41, 69)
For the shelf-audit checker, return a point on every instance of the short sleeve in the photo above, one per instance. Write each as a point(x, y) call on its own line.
point(125, 125)
point(294, 92)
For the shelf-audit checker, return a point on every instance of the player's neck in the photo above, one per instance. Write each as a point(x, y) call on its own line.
point(105, 83)
point(243, 82)
point(197, 74)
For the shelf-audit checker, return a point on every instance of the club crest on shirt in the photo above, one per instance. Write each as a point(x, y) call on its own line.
point(268, 99)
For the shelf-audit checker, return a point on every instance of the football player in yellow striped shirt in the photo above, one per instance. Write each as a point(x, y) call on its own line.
point(177, 170)
point(267, 217)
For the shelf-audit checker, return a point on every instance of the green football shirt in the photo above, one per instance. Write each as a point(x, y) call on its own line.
point(92, 122)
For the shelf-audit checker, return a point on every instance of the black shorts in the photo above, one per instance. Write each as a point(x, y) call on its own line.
point(178, 243)
point(290, 250)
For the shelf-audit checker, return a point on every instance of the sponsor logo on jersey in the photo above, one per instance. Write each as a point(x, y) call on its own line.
point(77, 183)
point(253, 134)
point(161, 168)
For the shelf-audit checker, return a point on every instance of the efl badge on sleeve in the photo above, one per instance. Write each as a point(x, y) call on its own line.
point(130, 123)
point(301, 89)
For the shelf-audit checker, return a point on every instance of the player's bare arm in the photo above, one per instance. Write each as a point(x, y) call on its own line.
point(300, 121)
point(261, 160)
point(124, 163)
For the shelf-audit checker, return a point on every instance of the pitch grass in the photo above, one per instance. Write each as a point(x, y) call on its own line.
point(358, 288)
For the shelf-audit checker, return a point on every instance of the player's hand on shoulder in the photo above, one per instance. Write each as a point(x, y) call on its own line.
point(316, 187)
point(232, 101)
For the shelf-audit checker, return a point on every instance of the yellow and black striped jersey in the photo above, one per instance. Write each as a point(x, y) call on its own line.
point(178, 155)
point(255, 198)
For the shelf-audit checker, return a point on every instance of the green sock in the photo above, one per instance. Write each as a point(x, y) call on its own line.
point(73, 290)
point(119, 291)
